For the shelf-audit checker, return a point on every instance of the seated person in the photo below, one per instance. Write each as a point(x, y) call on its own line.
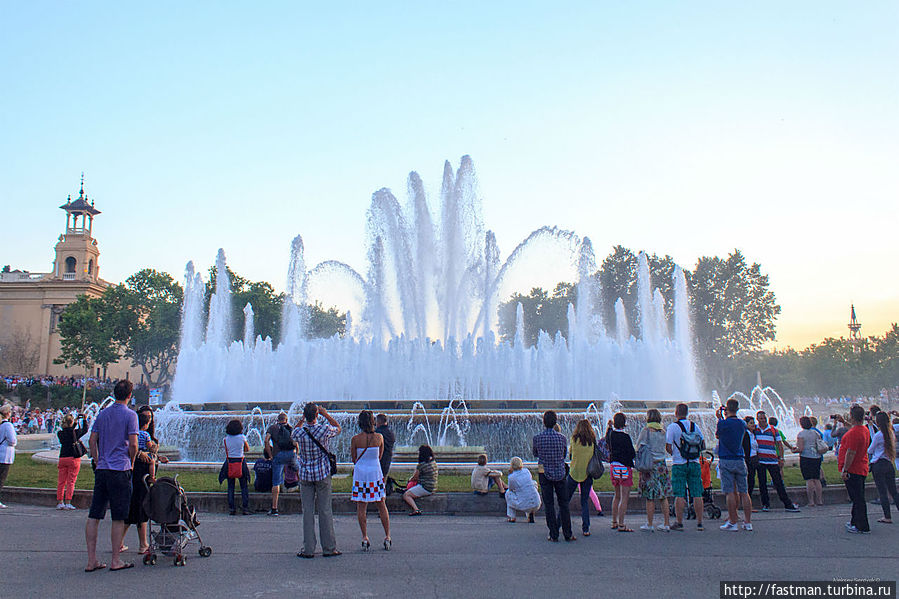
point(482, 478)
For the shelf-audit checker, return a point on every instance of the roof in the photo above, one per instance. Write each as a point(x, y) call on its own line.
point(80, 205)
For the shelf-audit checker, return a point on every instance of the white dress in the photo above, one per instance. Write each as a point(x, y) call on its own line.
point(368, 480)
point(522, 492)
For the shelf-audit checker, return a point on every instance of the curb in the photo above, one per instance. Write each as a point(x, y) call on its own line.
point(443, 504)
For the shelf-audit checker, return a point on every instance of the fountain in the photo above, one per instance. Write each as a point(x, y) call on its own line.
point(425, 337)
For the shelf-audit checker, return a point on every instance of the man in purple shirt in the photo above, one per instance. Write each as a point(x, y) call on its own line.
point(113, 446)
point(549, 448)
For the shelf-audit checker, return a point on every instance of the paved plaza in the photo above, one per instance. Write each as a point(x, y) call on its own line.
point(442, 556)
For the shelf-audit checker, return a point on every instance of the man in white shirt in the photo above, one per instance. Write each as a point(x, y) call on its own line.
point(7, 445)
point(685, 472)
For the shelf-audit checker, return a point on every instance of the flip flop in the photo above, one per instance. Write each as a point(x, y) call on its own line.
point(95, 568)
point(124, 567)
point(884, 521)
point(334, 554)
point(415, 513)
point(625, 529)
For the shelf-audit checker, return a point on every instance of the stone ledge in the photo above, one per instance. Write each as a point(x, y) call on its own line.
point(445, 504)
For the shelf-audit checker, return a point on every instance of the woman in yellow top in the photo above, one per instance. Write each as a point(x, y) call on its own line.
point(582, 442)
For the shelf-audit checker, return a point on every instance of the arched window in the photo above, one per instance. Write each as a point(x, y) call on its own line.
point(70, 265)
point(90, 267)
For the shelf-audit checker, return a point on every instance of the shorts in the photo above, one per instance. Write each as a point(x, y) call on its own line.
point(112, 488)
point(733, 475)
point(621, 475)
point(418, 491)
point(282, 458)
point(810, 468)
point(684, 476)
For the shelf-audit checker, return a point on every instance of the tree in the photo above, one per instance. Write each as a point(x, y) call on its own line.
point(267, 305)
point(325, 323)
point(733, 313)
point(542, 312)
point(86, 329)
point(19, 353)
point(148, 322)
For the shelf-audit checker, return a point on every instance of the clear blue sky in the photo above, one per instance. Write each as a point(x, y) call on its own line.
point(681, 128)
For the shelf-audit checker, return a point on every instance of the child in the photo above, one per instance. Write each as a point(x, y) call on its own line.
point(145, 442)
point(482, 478)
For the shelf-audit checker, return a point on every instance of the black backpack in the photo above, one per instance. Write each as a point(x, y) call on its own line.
point(282, 439)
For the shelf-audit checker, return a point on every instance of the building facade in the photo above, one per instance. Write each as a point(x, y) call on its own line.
point(31, 303)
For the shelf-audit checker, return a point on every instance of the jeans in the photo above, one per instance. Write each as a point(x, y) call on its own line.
point(885, 478)
point(752, 466)
point(4, 470)
point(855, 485)
point(65, 481)
point(244, 492)
point(316, 497)
point(776, 480)
point(552, 490)
point(584, 487)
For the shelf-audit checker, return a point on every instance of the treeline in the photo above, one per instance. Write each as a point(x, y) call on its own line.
point(140, 320)
point(733, 314)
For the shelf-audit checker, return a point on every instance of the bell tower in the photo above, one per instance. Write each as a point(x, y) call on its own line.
point(76, 251)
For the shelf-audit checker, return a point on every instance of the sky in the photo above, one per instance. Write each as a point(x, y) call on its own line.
point(688, 129)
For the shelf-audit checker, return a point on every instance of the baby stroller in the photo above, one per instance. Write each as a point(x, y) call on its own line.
point(173, 523)
point(712, 511)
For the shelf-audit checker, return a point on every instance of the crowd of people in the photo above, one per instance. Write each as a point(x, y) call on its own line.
point(124, 449)
point(29, 421)
point(62, 381)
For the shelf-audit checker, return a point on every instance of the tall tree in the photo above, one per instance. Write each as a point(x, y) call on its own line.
point(148, 322)
point(86, 330)
point(542, 312)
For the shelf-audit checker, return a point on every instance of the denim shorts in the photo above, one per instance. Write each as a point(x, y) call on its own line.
point(282, 458)
point(733, 475)
point(112, 488)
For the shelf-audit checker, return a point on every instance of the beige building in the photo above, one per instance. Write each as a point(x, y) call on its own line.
point(30, 303)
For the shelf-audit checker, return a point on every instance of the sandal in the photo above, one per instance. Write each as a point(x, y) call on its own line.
point(98, 566)
point(623, 528)
point(614, 525)
point(884, 521)
point(124, 566)
point(510, 520)
point(415, 513)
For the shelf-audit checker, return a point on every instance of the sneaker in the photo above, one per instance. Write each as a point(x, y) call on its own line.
point(853, 530)
point(793, 508)
point(746, 526)
point(60, 506)
point(273, 512)
point(677, 526)
point(646, 528)
point(246, 512)
point(69, 506)
point(232, 513)
point(2, 506)
point(731, 526)
point(765, 508)
point(663, 528)
point(699, 526)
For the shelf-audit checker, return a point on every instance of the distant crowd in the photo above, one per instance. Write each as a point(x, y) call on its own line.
point(65, 381)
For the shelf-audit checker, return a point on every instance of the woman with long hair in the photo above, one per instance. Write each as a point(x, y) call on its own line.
point(655, 485)
point(882, 455)
point(366, 449)
point(236, 447)
point(621, 455)
point(582, 443)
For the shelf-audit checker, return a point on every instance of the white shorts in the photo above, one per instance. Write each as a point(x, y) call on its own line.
point(418, 491)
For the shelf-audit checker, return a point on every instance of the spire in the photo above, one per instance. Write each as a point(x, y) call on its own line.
point(82, 184)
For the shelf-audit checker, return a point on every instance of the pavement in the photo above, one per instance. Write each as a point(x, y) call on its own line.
point(42, 555)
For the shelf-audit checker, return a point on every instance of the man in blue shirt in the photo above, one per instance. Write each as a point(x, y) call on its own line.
point(549, 448)
point(732, 466)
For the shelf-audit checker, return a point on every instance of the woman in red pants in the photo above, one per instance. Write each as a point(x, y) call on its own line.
point(69, 460)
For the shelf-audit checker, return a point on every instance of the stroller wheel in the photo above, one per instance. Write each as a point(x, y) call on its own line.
point(146, 559)
point(205, 551)
point(152, 560)
point(179, 560)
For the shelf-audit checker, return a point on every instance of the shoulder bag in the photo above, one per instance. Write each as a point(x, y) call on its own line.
point(235, 468)
point(332, 459)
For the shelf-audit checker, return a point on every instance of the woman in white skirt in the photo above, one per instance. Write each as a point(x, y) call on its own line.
point(366, 449)
point(522, 495)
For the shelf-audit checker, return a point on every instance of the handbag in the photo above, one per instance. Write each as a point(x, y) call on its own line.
point(595, 467)
point(235, 469)
point(332, 459)
point(78, 448)
point(821, 446)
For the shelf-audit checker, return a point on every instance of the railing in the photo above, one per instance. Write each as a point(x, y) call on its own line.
point(77, 231)
point(68, 276)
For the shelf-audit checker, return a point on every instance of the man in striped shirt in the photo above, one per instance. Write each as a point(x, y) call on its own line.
point(769, 453)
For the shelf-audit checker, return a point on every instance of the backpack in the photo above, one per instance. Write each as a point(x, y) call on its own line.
point(643, 461)
point(263, 470)
point(282, 439)
point(691, 443)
